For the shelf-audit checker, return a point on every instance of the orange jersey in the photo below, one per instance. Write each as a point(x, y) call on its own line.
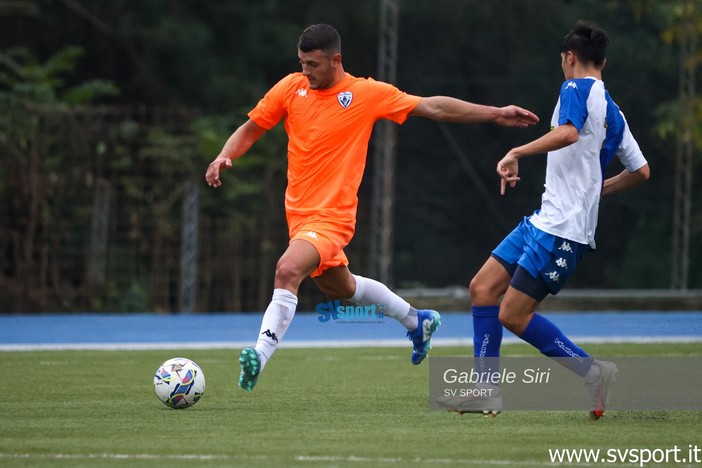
point(328, 133)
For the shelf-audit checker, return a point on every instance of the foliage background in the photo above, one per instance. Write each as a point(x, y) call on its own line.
point(174, 79)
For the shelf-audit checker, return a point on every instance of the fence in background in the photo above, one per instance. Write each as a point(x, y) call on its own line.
point(103, 210)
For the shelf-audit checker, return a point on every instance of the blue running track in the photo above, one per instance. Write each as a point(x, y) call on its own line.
point(157, 331)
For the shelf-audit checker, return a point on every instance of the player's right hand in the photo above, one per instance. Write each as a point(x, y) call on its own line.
point(218, 165)
point(508, 170)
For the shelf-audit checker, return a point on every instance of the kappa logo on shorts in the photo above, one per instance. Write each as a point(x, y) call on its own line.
point(311, 234)
point(566, 247)
point(561, 262)
point(345, 99)
point(554, 276)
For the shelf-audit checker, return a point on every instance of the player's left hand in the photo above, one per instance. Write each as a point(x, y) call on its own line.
point(508, 170)
point(515, 116)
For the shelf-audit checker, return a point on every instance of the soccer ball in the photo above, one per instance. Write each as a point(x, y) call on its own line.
point(179, 383)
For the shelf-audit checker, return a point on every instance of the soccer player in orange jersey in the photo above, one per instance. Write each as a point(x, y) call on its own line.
point(329, 115)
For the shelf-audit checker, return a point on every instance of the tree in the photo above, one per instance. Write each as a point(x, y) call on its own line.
point(33, 99)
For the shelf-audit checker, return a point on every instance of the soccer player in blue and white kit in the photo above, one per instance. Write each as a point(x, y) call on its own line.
point(538, 257)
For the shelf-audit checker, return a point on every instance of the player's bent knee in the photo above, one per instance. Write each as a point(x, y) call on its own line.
point(482, 293)
point(510, 321)
point(288, 273)
point(476, 289)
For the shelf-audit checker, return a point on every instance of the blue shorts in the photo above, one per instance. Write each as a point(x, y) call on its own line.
point(539, 263)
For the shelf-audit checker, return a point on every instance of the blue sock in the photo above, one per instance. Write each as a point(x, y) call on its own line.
point(545, 336)
point(487, 331)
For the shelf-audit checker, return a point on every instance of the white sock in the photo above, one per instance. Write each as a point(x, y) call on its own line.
point(275, 323)
point(369, 291)
point(593, 374)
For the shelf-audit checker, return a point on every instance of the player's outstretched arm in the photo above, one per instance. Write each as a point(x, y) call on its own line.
point(626, 180)
point(238, 143)
point(448, 109)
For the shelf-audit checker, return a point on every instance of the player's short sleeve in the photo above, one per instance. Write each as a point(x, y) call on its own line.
point(629, 152)
point(573, 103)
point(272, 107)
point(391, 103)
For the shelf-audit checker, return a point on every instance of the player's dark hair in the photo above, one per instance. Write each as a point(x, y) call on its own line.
point(320, 37)
point(588, 42)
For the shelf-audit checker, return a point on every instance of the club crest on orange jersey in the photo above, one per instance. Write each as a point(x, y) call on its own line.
point(345, 99)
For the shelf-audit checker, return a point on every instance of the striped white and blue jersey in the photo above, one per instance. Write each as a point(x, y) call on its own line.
point(575, 174)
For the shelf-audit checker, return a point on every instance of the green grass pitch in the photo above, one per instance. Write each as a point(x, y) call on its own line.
point(312, 407)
